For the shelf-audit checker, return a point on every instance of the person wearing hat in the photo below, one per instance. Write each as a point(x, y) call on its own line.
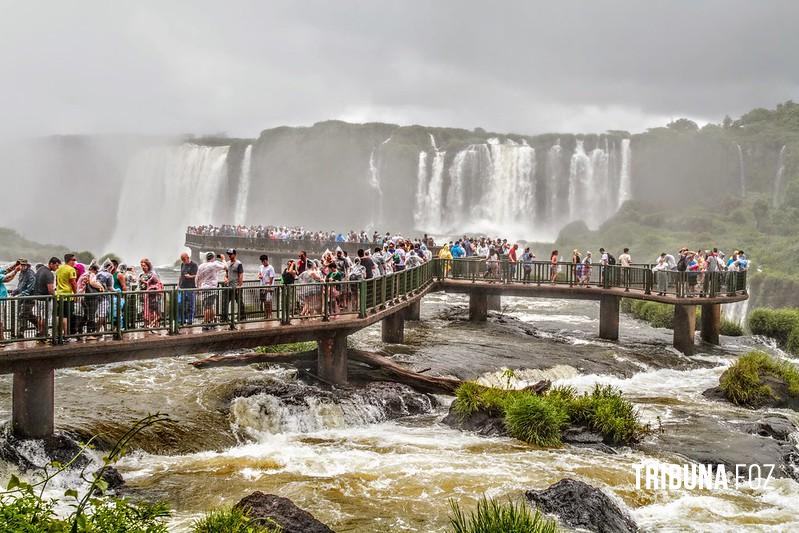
point(25, 285)
point(234, 280)
point(208, 279)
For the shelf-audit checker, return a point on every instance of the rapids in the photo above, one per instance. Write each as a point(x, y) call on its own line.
point(358, 469)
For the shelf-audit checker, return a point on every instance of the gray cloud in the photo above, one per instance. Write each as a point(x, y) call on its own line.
point(529, 67)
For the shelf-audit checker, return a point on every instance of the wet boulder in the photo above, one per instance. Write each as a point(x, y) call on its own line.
point(579, 505)
point(486, 423)
point(282, 511)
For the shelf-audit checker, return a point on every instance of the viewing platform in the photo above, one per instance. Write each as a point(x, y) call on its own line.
point(155, 324)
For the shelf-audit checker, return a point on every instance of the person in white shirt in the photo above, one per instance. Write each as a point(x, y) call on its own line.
point(625, 260)
point(266, 275)
point(208, 278)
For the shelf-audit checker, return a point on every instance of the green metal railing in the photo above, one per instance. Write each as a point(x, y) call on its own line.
point(638, 277)
point(172, 309)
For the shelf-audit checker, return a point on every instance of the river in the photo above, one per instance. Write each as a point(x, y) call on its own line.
point(357, 471)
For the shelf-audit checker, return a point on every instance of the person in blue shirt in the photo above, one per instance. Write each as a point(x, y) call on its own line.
point(457, 250)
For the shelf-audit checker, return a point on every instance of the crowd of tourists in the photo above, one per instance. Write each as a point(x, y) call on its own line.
point(293, 233)
point(391, 254)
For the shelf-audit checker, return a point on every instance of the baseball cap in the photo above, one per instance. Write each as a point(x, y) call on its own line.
point(210, 255)
point(230, 251)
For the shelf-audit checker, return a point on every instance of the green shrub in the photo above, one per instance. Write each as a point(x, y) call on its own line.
point(290, 347)
point(494, 517)
point(774, 323)
point(533, 419)
point(657, 314)
point(232, 520)
point(742, 383)
point(793, 341)
point(540, 419)
point(730, 328)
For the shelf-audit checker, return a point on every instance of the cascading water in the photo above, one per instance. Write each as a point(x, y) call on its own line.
point(510, 195)
point(581, 185)
point(741, 173)
point(165, 190)
point(243, 195)
point(625, 188)
point(375, 183)
point(422, 185)
point(554, 177)
point(778, 179)
point(600, 189)
point(430, 190)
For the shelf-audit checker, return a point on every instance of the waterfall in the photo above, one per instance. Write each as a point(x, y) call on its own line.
point(625, 189)
point(166, 189)
point(580, 183)
point(243, 195)
point(510, 198)
point(599, 188)
point(741, 173)
point(435, 193)
point(554, 164)
point(422, 185)
point(736, 312)
point(778, 179)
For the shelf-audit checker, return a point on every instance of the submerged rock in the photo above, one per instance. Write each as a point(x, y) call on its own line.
point(33, 454)
point(579, 505)
point(484, 423)
point(282, 511)
point(710, 440)
point(780, 396)
point(275, 406)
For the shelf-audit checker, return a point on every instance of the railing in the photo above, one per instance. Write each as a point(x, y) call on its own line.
point(171, 310)
point(635, 277)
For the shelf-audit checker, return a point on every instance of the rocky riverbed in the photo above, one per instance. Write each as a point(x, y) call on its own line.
point(379, 458)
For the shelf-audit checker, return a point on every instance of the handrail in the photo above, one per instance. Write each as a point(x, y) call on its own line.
point(172, 309)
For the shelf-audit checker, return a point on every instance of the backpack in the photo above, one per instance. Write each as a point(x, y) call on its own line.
point(682, 265)
point(357, 273)
point(611, 259)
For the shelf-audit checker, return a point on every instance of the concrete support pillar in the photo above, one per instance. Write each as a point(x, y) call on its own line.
point(684, 328)
point(478, 306)
point(711, 323)
point(394, 328)
point(494, 302)
point(609, 317)
point(331, 362)
point(33, 403)
point(413, 311)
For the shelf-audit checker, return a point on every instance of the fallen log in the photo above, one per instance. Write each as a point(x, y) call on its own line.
point(256, 357)
point(401, 374)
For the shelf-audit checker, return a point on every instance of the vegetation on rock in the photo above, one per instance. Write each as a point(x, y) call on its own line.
point(782, 325)
point(289, 347)
point(750, 380)
point(232, 520)
point(540, 419)
point(491, 516)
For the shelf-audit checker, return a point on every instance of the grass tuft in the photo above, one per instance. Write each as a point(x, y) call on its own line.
point(743, 384)
point(730, 328)
point(232, 520)
point(536, 420)
point(291, 347)
point(492, 516)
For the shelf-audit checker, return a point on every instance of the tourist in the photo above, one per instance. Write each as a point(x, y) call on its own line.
point(445, 254)
point(89, 287)
point(366, 262)
point(207, 280)
point(380, 261)
point(662, 271)
point(625, 261)
point(44, 286)
point(585, 279)
point(187, 296)
point(266, 278)
point(577, 265)
point(106, 278)
point(289, 275)
point(234, 280)
point(302, 262)
point(66, 285)
point(553, 267)
point(513, 259)
point(26, 282)
point(151, 283)
point(527, 263)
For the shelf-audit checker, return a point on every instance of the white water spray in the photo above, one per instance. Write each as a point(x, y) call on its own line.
point(778, 179)
point(243, 195)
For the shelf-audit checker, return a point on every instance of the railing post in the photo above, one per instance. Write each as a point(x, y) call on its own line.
point(174, 327)
point(117, 316)
point(648, 275)
point(325, 301)
point(362, 298)
point(232, 306)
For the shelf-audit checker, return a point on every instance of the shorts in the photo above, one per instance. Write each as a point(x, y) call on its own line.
point(265, 295)
point(209, 301)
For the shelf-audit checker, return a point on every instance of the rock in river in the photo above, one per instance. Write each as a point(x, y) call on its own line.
point(579, 505)
point(282, 511)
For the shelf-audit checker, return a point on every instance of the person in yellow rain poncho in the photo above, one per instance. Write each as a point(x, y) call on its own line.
point(444, 253)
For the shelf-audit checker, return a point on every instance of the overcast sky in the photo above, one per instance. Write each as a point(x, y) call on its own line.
point(528, 67)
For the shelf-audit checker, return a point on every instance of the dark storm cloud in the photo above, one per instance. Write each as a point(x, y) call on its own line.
point(238, 67)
